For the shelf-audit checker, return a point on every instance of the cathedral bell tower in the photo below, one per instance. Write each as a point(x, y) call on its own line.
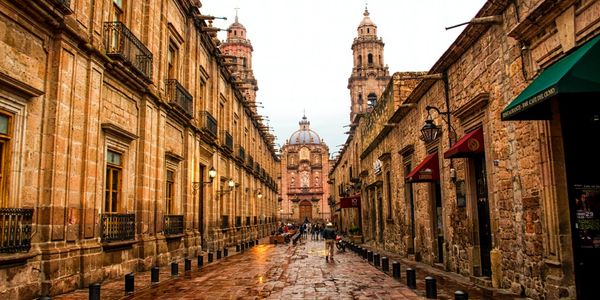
point(237, 51)
point(369, 74)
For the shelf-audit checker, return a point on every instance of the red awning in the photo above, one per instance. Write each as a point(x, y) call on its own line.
point(350, 202)
point(427, 170)
point(468, 145)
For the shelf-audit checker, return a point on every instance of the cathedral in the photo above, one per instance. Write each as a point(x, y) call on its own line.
point(304, 169)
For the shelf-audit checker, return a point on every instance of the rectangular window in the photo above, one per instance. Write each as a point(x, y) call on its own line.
point(5, 128)
point(172, 62)
point(170, 191)
point(112, 192)
point(118, 8)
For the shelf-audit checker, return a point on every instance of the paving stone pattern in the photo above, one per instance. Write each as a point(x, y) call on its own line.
point(266, 272)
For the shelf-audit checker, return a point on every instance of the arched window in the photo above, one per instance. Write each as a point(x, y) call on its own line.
point(360, 60)
point(360, 99)
point(370, 58)
point(368, 30)
point(235, 32)
point(372, 99)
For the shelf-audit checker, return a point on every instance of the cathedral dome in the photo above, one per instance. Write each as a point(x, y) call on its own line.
point(305, 135)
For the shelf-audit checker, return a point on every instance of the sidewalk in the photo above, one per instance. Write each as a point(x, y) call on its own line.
point(115, 288)
point(447, 282)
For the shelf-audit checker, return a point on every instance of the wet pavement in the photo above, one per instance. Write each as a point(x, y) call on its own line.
point(267, 272)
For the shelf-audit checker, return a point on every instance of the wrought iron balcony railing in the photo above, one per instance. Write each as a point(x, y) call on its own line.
point(227, 141)
point(241, 153)
point(121, 43)
point(180, 97)
point(173, 224)
point(15, 229)
point(224, 221)
point(209, 124)
point(250, 162)
point(63, 5)
point(118, 227)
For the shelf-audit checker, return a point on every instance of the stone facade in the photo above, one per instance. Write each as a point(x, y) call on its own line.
point(116, 124)
point(304, 169)
point(499, 216)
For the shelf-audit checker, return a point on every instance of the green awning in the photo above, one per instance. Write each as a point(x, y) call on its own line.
point(577, 72)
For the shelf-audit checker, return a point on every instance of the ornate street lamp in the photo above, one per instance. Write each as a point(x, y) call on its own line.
point(430, 131)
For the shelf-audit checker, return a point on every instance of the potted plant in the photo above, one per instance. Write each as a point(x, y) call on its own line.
point(355, 234)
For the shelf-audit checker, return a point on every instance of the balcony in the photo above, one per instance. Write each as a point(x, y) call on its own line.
point(241, 153)
point(15, 229)
point(227, 141)
point(250, 162)
point(122, 44)
point(63, 6)
point(173, 225)
point(224, 221)
point(179, 97)
point(117, 227)
point(209, 124)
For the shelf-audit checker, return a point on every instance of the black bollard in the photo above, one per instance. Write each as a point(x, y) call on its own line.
point(129, 283)
point(247, 245)
point(396, 270)
point(430, 288)
point(187, 264)
point(218, 254)
point(376, 259)
point(225, 252)
point(370, 256)
point(365, 253)
point(237, 248)
point(94, 291)
point(252, 243)
point(256, 242)
point(174, 269)
point(275, 242)
point(200, 261)
point(154, 275)
point(460, 295)
point(411, 278)
point(385, 264)
point(210, 257)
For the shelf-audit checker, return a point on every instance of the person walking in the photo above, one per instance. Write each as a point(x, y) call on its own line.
point(329, 235)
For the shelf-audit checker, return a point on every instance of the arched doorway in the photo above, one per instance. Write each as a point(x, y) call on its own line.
point(305, 210)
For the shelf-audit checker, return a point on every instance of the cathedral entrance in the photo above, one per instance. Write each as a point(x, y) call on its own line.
point(305, 210)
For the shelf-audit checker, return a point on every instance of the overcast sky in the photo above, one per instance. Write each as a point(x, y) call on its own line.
point(302, 57)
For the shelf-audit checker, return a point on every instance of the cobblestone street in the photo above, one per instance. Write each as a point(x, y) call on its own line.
point(268, 272)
